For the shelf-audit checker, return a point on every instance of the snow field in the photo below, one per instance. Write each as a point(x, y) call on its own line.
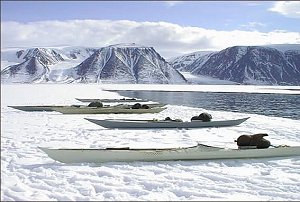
point(29, 174)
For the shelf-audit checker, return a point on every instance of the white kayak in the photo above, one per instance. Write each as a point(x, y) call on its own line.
point(146, 124)
point(198, 152)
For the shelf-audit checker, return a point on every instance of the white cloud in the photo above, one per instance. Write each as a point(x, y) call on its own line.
point(253, 25)
point(287, 8)
point(167, 38)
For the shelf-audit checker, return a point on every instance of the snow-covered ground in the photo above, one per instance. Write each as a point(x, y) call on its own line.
point(29, 174)
point(199, 79)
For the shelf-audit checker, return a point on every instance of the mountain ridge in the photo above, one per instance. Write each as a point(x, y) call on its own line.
point(134, 63)
point(119, 63)
point(258, 65)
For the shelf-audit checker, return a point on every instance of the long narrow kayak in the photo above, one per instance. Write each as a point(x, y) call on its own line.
point(106, 110)
point(49, 108)
point(33, 108)
point(199, 152)
point(146, 124)
point(111, 100)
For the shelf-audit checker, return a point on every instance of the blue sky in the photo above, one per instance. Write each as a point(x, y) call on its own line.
point(220, 15)
point(187, 25)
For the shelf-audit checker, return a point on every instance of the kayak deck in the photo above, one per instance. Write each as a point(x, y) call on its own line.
point(111, 100)
point(146, 124)
point(50, 108)
point(107, 110)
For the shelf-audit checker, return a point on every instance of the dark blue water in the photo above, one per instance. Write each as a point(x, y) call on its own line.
point(278, 105)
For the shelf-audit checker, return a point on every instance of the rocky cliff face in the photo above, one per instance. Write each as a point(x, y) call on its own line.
point(34, 66)
point(250, 65)
point(126, 64)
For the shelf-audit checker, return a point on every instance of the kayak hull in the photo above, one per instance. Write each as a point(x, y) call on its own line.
point(146, 124)
point(199, 152)
point(50, 108)
point(47, 108)
point(106, 110)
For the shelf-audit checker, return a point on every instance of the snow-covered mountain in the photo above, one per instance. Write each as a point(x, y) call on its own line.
point(33, 66)
point(28, 71)
point(131, 63)
point(36, 64)
point(181, 62)
point(126, 63)
point(121, 63)
point(284, 47)
point(250, 65)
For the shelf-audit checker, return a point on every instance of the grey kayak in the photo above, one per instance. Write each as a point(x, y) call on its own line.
point(50, 108)
point(198, 152)
point(145, 124)
point(106, 110)
point(111, 100)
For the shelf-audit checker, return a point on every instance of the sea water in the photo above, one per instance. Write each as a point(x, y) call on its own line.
point(270, 104)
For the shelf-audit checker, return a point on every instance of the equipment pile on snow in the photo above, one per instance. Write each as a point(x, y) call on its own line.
point(206, 117)
point(253, 141)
